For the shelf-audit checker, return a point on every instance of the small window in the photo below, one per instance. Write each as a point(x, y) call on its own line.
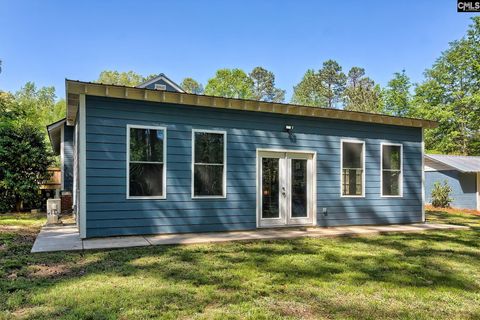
point(353, 169)
point(391, 170)
point(209, 167)
point(146, 162)
point(160, 86)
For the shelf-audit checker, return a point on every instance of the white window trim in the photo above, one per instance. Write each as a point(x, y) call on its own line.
point(381, 169)
point(164, 182)
point(224, 195)
point(341, 168)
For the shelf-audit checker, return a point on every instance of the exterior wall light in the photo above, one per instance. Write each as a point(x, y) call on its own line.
point(288, 128)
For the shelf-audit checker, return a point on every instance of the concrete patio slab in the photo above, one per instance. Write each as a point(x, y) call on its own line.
point(67, 237)
point(62, 238)
point(115, 242)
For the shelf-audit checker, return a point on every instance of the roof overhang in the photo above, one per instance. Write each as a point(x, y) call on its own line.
point(55, 135)
point(76, 88)
point(464, 164)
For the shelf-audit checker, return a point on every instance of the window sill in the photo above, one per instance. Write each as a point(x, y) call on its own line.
point(347, 196)
point(147, 198)
point(208, 197)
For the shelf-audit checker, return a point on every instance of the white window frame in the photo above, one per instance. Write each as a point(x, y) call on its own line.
point(363, 168)
point(401, 169)
point(164, 182)
point(224, 195)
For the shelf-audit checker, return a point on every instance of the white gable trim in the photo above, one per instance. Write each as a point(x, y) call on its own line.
point(164, 78)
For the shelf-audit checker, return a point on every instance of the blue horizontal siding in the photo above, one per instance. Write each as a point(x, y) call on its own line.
point(110, 213)
point(68, 158)
point(464, 187)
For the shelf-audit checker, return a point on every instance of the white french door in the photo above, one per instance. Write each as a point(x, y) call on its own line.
point(285, 194)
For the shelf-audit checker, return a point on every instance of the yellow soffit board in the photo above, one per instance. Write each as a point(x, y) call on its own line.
point(113, 91)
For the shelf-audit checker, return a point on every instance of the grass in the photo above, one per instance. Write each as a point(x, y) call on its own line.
point(429, 275)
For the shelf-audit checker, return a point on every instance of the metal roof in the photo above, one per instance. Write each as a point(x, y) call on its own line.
point(460, 163)
point(76, 88)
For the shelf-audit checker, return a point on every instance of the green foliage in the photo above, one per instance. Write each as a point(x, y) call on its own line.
point(24, 160)
point(441, 195)
point(32, 106)
point(333, 80)
point(450, 94)
point(129, 78)
point(361, 93)
point(309, 92)
point(230, 83)
point(264, 86)
point(191, 86)
point(321, 89)
point(397, 96)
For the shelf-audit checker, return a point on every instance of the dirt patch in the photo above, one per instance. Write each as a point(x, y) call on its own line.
point(48, 271)
point(293, 309)
point(454, 210)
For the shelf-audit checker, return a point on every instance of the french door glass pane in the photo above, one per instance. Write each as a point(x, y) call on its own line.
point(208, 180)
point(146, 179)
point(270, 188)
point(299, 188)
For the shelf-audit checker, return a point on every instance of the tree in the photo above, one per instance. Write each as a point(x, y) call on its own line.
point(264, 86)
point(191, 86)
point(129, 79)
point(309, 92)
point(230, 83)
point(333, 80)
point(361, 93)
point(450, 95)
point(321, 89)
point(24, 159)
point(397, 96)
point(35, 106)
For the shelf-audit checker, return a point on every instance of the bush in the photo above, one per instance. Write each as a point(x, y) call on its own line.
point(441, 195)
point(24, 160)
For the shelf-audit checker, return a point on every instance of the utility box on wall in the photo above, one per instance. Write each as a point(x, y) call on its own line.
point(53, 211)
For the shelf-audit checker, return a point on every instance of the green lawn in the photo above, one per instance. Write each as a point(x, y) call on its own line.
point(428, 275)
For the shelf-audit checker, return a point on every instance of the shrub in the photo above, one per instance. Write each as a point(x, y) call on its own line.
point(24, 159)
point(441, 195)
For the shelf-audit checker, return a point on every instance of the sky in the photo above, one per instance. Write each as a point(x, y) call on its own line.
point(48, 41)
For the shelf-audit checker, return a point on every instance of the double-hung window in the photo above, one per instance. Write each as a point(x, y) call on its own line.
point(209, 164)
point(391, 166)
point(353, 168)
point(146, 162)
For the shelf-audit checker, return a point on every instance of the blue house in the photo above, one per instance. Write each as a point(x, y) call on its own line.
point(462, 174)
point(154, 159)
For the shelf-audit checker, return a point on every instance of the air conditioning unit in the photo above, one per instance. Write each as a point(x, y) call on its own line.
point(160, 86)
point(53, 211)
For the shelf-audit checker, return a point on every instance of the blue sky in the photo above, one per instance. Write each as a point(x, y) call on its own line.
point(48, 41)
